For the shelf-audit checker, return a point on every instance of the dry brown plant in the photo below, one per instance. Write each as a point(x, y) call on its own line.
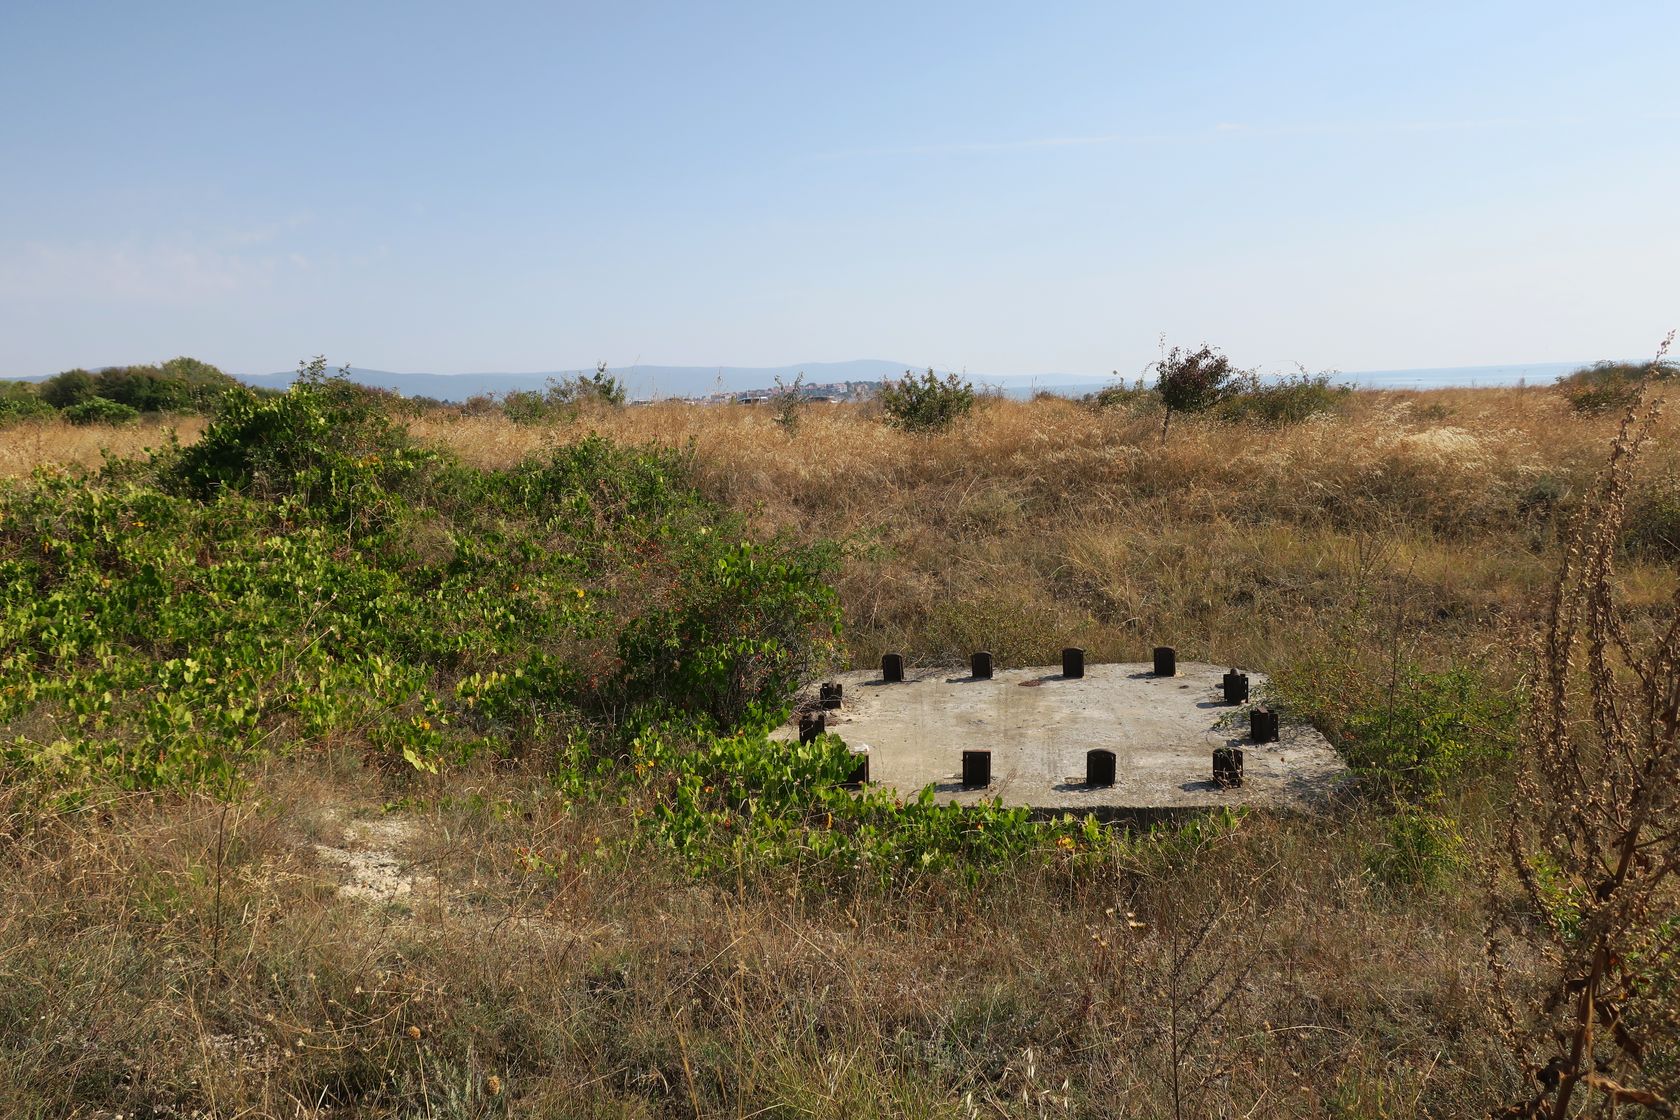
point(1595, 829)
point(34, 443)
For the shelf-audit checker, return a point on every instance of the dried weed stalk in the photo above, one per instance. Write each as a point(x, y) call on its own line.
point(1595, 827)
point(1196, 979)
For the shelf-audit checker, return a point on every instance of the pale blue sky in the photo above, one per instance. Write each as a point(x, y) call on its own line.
point(999, 187)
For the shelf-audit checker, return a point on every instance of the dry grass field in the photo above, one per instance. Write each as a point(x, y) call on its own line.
point(25, 446)
point(1036, 525)
point(396, 952)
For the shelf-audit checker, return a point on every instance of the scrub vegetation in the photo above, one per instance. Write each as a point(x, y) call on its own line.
point(118, 394)
point(366, 759)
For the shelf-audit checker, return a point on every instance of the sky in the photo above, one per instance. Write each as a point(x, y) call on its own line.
point(1003, 188)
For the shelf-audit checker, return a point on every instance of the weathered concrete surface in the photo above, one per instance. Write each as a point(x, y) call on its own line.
point(1038, 726)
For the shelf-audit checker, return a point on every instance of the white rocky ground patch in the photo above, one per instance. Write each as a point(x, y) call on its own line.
point(373, 870)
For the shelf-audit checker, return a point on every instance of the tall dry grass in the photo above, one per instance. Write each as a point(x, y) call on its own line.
point(162, 957)
point(1030, 526)
point(1594, 835)
point(31, 444)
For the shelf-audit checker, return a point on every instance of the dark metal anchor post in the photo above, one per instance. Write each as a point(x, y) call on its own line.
point(892, 668)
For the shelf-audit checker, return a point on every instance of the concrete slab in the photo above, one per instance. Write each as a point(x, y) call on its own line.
point(1038, 726)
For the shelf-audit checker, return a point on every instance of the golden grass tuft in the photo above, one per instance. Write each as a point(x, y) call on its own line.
point(34, 443)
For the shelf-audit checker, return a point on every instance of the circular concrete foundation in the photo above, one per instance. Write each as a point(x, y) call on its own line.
point(1039, 728)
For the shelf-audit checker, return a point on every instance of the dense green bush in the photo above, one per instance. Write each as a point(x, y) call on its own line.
point(329, 441)
point(1419, 850)
point(1289, 400)
point(1193, 380)
point(564, 397)
point(178, 385)
point(304, 576)
point(1136, 397)
point(600, 388)
point(1611, 386)
point(99, 410)
point(525, 406)
point(753, 627)
point(721, 801)
point(926, 402)
point(282, 586)
point(71, 387)
point(20, 400)
point(1411, 734)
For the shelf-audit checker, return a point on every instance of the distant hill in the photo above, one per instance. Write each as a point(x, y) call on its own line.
point(641, 381)
point(698, 381)
point(645, 382)
point(1454, 377)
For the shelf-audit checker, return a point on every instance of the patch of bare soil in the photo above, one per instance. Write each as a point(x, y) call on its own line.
point(370, 860)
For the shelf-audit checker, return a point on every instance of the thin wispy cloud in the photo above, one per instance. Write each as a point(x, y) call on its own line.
point(182, 268)
point(1223, 129)
point(169, 272)
point(979, 147)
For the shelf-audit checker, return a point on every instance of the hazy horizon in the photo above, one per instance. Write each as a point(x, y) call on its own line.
point(650, 381)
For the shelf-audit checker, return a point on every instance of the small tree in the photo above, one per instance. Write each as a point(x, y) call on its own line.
point(600, 387)
point(926, 403)
point(73, 386)
point(1193, 380)
point(789, 401)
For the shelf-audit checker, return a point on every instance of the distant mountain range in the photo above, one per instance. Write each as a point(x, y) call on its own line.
point(641, 381)
point(645, 382)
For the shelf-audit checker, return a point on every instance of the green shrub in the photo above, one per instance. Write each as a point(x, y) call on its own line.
point(525, 406)
point(1419, 850)
point(926, 402)
point(1411, 734)
point(721, 801)
point(1429, 730)
point(98, 410)
point(1652, 524)
point(71, 387)
point(750, 625)
point(564, 397)
point(298, 578)
point(789, 401)
point(1136, 397)
point(598, 388)
point(178, 385)
point(326, 440)
point(1611, 386)
point(1193, 381)
point(20, 400)
point(1287, 401)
